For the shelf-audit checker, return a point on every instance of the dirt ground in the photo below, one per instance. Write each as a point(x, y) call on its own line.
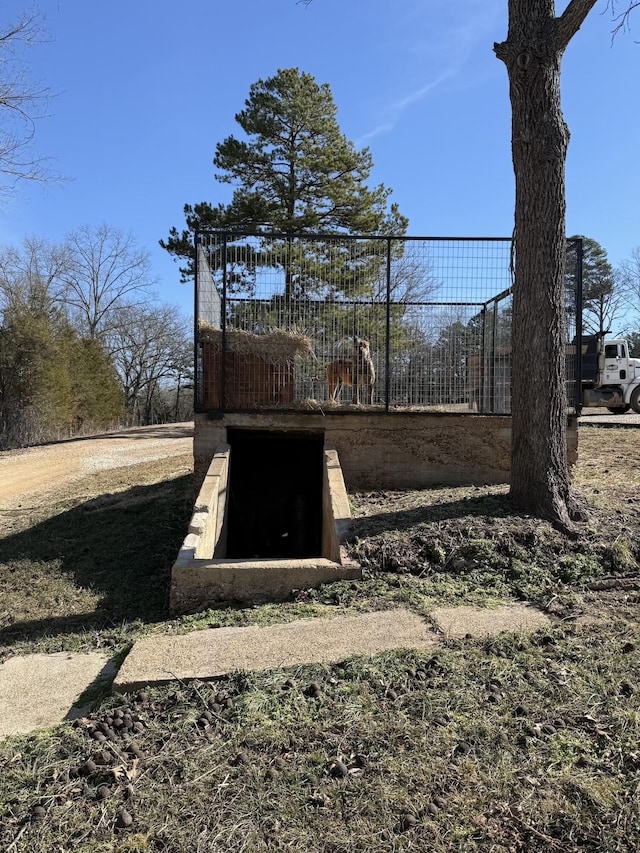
point(27, 476)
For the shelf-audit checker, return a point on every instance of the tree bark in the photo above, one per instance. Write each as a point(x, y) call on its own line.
point(532, 53)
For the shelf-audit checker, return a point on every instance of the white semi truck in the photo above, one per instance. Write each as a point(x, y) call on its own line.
point(610, 377)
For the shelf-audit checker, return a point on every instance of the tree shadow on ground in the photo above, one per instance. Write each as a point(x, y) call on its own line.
point(491, 506)
point(119, 547)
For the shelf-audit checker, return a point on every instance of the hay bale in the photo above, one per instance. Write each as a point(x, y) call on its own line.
point(280, 346)
point(258, 369)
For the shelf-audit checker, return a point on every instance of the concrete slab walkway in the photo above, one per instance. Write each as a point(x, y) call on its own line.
point(214, 652)
point(478, 622)
point(38, 691)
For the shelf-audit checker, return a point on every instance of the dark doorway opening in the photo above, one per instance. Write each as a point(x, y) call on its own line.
point(275, 495)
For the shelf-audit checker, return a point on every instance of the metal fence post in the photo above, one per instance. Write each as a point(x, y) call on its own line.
point(198, 391)
point(387, 348)
point(578, 392)
point(223, 326)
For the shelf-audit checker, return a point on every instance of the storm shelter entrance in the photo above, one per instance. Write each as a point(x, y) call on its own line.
point(275, 495)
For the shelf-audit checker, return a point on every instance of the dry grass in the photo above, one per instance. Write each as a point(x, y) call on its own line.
point(507, 745)
point(277, 347)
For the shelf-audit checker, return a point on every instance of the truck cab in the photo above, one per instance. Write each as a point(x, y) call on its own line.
point(610, 376)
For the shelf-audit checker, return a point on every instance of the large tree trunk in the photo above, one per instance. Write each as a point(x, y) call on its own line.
point(532, 54)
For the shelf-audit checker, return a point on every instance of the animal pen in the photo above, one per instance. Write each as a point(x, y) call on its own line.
point(280, 318)
point(326, 362)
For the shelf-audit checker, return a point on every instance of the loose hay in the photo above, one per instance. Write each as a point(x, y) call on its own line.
point(280, 346)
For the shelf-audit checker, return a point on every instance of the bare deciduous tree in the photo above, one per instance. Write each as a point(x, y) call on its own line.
point(105, 270)
point(532, 53)
point(22, 104)
point(149, 346)
point(630, 275)
point(32, 274)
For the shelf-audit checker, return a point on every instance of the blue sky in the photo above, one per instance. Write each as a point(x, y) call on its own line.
point(145, 89)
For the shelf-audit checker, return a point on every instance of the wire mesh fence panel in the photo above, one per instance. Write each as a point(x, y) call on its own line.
point(312, 322)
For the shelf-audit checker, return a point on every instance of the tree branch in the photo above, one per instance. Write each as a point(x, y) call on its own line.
point(621, 21)
point(571, 20)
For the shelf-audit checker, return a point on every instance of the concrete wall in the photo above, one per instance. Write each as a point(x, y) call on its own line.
point(392, 451)
point(199, 580)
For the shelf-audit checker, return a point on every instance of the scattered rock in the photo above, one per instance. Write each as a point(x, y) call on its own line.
point(123, 820)
point(408, 821)
point(360, 760)
point(338, 769)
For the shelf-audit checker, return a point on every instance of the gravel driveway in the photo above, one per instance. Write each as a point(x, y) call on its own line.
point(36, 470)
point(598, 417)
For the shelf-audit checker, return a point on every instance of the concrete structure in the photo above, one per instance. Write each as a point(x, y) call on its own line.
point(213, 652)
point(365, 450)
point(42, 690)
point(202, 574)
point(398, 450)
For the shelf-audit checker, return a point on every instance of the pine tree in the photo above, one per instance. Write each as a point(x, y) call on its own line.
point(295, 172)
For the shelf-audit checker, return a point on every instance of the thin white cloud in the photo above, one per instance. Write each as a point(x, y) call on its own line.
point(442, 36)
point(421, 93)
point(394, 110)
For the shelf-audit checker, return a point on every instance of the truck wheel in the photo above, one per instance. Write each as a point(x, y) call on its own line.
point(635, 400)
point(619, 410)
